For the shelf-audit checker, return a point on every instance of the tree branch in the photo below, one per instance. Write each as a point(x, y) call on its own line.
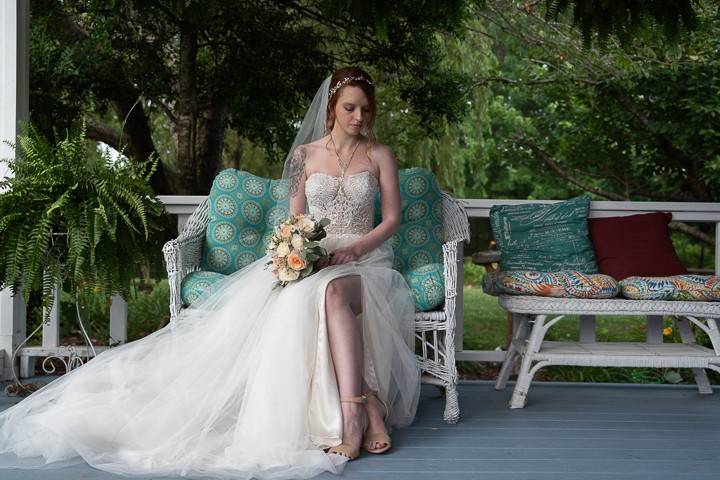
point(97, 130)
point(540, 154)
point(693, 232)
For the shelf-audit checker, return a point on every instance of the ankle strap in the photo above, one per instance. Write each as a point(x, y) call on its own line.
point(358, 399)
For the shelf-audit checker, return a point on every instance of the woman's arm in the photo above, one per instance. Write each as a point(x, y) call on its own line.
point(296, 187)
point(389, 203)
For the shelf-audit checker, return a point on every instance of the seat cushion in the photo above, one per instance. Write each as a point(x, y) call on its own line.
point(420, 237)
point(635, 245)
point(427, 285)
point(244, 209)
point(544, 237)
point(196, 285)
point(567, 284)
point(705, 288)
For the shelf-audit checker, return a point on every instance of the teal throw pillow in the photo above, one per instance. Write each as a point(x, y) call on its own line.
point(197, 285)
point(420, 237)
point(428, 285)
point(244, 209)
point(544, 237)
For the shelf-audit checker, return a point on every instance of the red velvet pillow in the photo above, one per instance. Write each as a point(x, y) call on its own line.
point(635, 245)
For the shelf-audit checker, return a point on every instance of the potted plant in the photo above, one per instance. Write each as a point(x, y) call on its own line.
point(73, 216)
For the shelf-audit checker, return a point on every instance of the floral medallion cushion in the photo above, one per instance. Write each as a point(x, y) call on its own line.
point(705, 288)
point(544, 237)
point(566, 284)
point(420, 237)
point(196, 285)
point(427, 285)
point(244, 209)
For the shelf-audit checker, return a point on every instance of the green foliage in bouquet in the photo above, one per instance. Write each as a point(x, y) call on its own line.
point(294, 249)
point(68, 214)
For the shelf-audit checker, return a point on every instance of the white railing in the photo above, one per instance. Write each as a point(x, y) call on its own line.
point(183, 205)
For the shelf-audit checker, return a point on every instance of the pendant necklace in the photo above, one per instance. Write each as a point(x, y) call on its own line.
point(343, 166)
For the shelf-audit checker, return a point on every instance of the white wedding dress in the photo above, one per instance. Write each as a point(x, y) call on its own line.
point(243, 386)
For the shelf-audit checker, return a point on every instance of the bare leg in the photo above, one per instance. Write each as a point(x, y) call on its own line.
point(342, 303)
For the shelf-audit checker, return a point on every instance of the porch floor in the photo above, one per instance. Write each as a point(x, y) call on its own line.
point(567, 431)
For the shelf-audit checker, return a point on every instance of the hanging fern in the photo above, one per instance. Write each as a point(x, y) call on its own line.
point(65, 214)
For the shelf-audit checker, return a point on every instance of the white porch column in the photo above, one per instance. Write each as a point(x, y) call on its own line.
point(14, 100)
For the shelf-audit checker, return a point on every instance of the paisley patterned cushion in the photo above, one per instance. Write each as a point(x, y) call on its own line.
point(419, 239)
point(196, 285)
point(427, 285)
point(566, 283)
point(544, 237)
point(705, 288)
point(243, 210)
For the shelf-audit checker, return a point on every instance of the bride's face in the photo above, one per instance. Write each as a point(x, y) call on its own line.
point(352, 110)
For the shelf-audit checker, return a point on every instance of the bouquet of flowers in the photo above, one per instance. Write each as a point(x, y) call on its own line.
point(294, 248)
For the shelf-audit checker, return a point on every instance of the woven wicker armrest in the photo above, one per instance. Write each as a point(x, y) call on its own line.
point(183, 254)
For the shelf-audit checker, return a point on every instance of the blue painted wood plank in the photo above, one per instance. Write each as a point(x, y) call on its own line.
point(567, 432)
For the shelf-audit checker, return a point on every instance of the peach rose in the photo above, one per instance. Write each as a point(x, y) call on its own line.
point(295, 261)
point(286, 231)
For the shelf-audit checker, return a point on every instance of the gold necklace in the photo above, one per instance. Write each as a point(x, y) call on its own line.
point(343, 165)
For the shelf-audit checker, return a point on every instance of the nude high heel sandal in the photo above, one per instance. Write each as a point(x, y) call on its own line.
point(379, 437)
point(344, 449)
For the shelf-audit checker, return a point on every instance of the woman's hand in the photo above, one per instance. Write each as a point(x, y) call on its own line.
point(344, 255)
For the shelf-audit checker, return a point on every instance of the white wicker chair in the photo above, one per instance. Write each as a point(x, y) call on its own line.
point(434, 330)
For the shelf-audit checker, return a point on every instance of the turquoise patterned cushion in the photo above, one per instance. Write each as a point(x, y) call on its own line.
point(420, 237)
point(196, 285)
point(566, 284)
point(427, 285)
point(544, 237)
point(704, 288)
point(244, 208)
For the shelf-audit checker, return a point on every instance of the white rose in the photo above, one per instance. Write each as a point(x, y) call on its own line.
point(283, 249)
point(298, 242)
point(288, 275)
point(306, 225)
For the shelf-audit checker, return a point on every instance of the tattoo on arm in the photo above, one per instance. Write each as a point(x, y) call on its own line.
point(297, 169)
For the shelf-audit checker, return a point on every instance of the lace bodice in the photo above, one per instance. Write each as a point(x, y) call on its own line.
point(347, 202)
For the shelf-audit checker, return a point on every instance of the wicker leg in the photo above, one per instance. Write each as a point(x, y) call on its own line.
point(519, 396)
point(452, 407)
point(520, 324)
point(688, 337)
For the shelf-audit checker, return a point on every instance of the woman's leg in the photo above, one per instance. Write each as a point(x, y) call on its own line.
point(343, 301)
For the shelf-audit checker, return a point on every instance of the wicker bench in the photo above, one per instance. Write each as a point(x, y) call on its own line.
point(531, 317)
point(535, 316)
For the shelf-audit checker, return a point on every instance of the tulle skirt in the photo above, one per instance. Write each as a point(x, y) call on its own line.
point(243, 386)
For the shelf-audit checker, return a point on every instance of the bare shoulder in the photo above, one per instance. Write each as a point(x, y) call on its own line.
point(314, 149)
point(383, 157)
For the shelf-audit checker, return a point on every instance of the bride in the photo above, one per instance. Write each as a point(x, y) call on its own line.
point(256, 382)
